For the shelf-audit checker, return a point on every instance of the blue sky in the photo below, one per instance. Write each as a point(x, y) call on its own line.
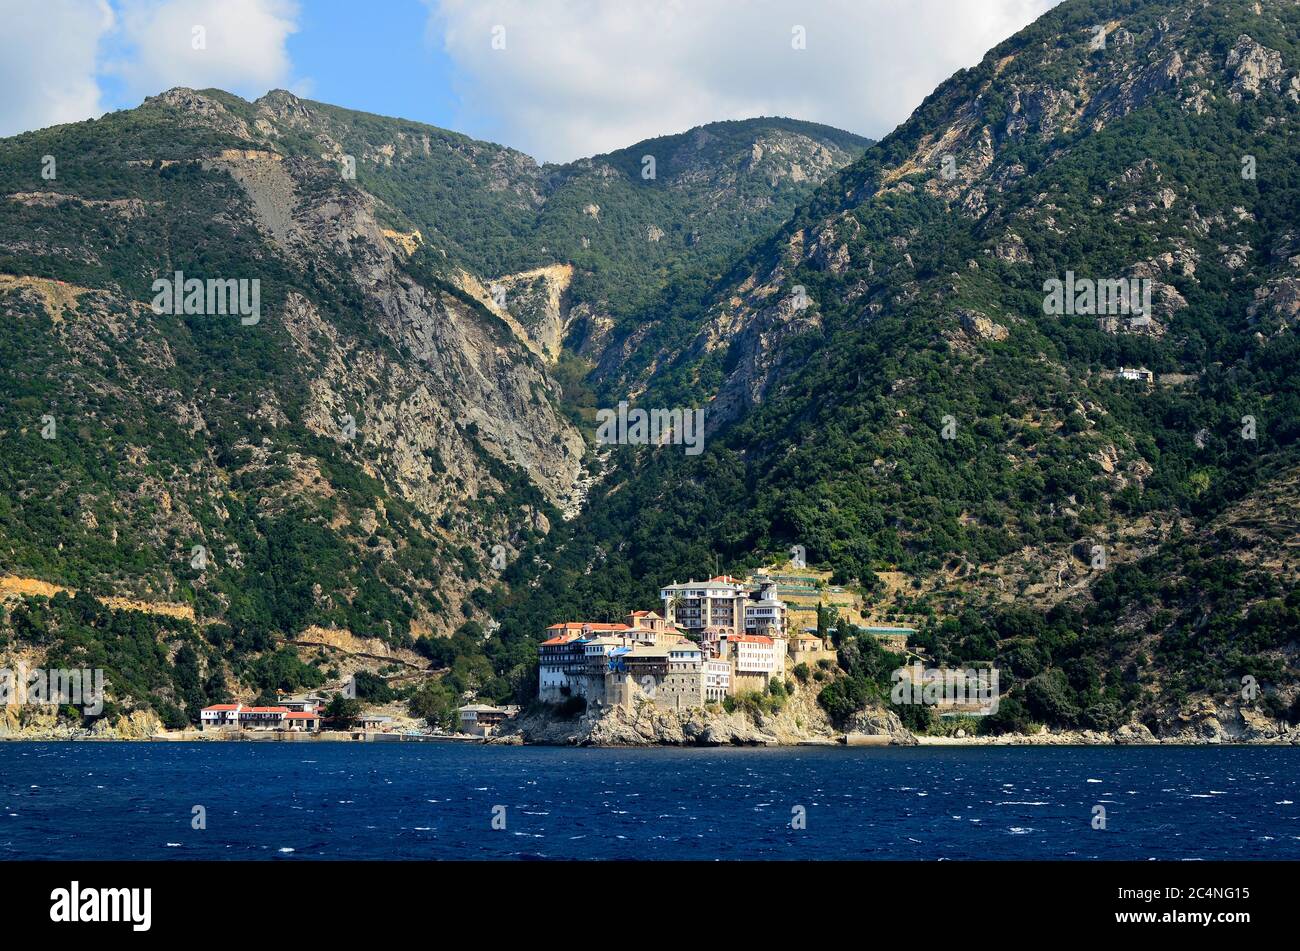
point(376, 57)
point(558, 79)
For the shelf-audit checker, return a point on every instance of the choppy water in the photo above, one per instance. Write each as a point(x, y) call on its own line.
point(293, 802)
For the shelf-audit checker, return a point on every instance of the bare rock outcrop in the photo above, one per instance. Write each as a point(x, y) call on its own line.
point(800, 720)
point(1254, 67)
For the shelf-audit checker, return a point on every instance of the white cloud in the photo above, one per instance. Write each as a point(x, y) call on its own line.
point(243, 48)
point(54, 54)
point(579, 77)
point(47, 61)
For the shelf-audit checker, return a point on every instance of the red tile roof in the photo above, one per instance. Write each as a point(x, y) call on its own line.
point(302, 716)
point(578, 626)
point(750, 638)
point(222, 706)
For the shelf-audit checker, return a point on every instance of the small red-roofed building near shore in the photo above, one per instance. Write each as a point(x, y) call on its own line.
point(299, 716)
point(266, 717)
point(220, 714)
point(302, 721)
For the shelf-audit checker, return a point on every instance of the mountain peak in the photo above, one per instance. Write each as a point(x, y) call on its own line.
point(282, 104)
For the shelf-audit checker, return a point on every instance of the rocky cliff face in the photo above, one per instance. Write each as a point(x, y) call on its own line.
point(1204, 724)
point(44, 724)
point(538, 300)
point(466, 370)
point(801, 720)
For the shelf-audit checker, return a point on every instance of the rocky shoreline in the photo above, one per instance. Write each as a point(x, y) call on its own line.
point(44, 725)
point(802, 723)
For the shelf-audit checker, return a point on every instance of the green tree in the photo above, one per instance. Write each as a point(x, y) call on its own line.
point(434, 703)
point(341, 712)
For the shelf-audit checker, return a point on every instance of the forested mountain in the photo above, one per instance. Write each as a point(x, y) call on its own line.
point(359, 452)
point(919, 360)
point(889, 382)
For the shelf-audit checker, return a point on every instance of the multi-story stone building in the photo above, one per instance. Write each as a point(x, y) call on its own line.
point(480, 719)
point(739, 644)
point(717, 680)
point(724, 605)
point(562, 667)
point(671, 676)
point(755, 660)
point(765, 613)
point(697, 605)
point(581, 659)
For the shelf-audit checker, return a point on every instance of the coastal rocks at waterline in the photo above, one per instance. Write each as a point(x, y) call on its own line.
point(1203, 726)
point(44, 724)
point(800, 720)
point(877, 726)
point(1207, 722)
point(648, 725)
point(802, 723)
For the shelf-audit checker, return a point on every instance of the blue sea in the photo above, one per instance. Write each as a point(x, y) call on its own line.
point(296, 802)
